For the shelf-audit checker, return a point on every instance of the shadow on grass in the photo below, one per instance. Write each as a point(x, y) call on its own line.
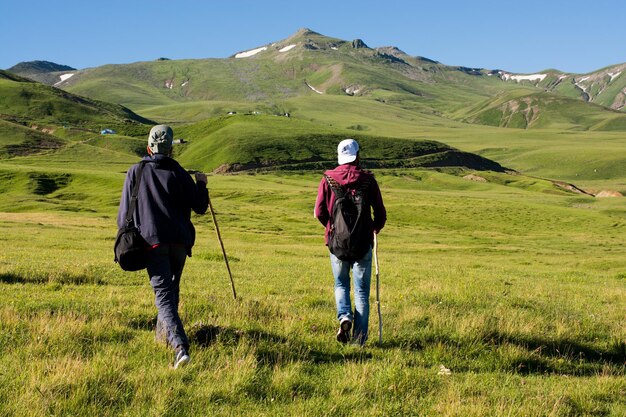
point(10, 278)
point(566, 348)
point(63, 278)
point(271, 348)
point(582, 357)
point(143, 322)
point(542, 354)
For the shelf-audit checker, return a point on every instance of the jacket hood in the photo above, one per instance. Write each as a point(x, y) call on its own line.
point(347, 175)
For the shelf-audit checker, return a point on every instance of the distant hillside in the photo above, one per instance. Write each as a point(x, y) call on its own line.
point(543, 110)
point(18, 140)
point(43, 71)
point(29, 103)
point(33, 67)
point(606, 87)
point(249, 142)
point(36, 118)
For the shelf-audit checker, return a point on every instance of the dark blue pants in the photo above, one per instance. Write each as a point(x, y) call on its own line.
point(165, 266)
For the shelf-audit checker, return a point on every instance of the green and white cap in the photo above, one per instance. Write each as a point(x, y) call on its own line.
point(160, 139)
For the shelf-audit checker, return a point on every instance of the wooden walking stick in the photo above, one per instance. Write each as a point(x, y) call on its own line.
point(380, 316)
point(219, 238)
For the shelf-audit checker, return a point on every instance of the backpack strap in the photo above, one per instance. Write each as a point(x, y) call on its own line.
point(339, 190)
point(133, 198)
point(335, 186)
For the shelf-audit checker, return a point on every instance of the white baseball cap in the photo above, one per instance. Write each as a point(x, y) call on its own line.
point(347, 151)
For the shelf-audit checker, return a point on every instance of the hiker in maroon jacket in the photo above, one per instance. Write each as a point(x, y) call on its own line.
point(360, 185)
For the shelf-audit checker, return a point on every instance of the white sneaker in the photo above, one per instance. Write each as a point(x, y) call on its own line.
point(343, 334)
point(182, 358)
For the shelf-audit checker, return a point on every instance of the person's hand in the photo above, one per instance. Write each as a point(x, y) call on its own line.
point(201, 177)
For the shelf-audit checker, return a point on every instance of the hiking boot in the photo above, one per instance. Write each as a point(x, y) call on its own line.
point(182, 358)
point(343, 334)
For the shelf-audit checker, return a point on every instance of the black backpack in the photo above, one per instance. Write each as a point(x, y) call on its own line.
point(350, 235)
point(131, 250)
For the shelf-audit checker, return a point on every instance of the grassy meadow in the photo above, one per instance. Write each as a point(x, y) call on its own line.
point(515, 287)
point(499, 298)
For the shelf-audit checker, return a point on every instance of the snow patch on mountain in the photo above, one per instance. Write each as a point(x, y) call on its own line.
point(518, 78)
point(614, 75)
point(578, 84)
point(313, 88)
point(287, 48)
point(64, 77)
point(251, 52)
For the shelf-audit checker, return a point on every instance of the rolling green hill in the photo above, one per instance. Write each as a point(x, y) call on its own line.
point(40, 106)
point(243, 142)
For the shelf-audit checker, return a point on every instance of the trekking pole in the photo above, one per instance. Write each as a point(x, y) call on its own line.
point(380, 316)
point(219, 238)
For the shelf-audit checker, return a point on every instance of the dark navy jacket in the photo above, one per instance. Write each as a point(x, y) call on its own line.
point(167, 194)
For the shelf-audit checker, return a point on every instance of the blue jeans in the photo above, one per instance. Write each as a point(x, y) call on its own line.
point(165, 266)
point(362, 275)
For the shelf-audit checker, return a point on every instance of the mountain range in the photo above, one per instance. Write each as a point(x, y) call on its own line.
point(308, 63)
point(330, 88)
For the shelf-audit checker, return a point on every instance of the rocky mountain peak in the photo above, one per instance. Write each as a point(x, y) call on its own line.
point(358, 44)
point(36, 67)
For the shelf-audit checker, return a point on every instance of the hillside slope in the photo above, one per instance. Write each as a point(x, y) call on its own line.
point(42, 71)
point(244, 142)
point(37, 119)
point(29, 103)
point(606, 86)
point(522, 110)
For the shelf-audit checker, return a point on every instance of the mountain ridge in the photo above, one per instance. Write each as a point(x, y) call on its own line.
point(308, 62)
point(34, 67)
point(40, 66)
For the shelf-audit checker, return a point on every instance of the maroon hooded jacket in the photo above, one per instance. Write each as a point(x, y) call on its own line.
point(350, 177)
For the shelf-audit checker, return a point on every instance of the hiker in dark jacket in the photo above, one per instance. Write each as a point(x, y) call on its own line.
point(351, 178)
point(166, 196)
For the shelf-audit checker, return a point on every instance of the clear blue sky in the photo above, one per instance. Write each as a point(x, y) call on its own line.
point(515, 35)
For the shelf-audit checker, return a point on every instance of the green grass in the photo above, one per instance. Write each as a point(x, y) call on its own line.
point(514, 284)
point(518, 289)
